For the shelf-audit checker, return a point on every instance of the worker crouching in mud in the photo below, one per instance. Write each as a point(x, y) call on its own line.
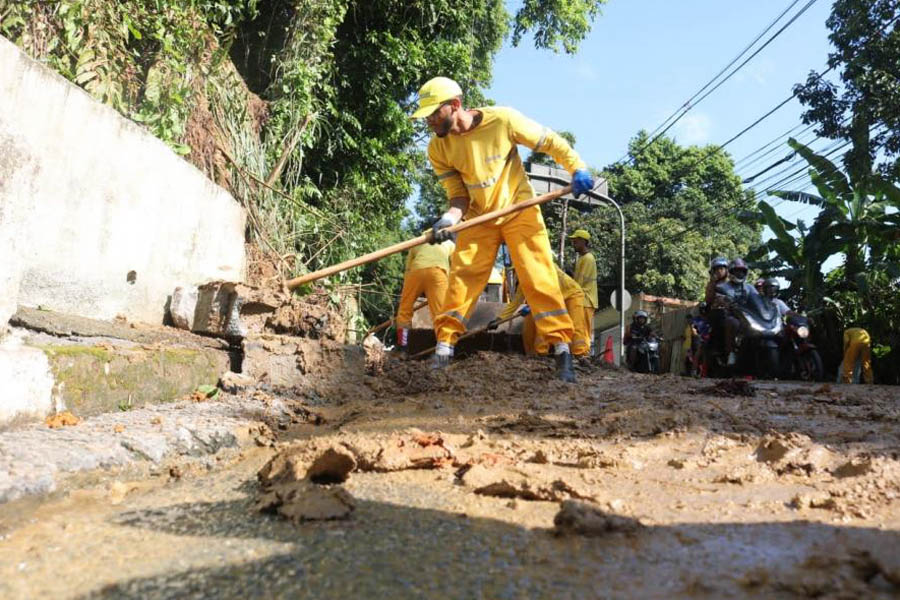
point(426, 272)
point(474, 155)
point(574, 299)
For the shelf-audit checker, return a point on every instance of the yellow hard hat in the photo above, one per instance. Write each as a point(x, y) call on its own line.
point(433, 93)
point(581, 233)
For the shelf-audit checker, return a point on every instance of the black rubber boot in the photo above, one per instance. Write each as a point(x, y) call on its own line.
point(564, 367)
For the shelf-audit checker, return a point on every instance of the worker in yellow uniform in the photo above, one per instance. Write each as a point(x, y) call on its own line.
point(574, 299)
point(426, 272)
point(857, 346)
point(586, 276)
point(475, 158)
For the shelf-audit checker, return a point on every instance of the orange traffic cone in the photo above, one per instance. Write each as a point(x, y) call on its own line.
point(608, 351)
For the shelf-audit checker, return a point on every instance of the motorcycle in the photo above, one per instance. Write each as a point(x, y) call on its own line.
point(801, 359)
point(760, 337)
point(757, 344)
point(646, 358)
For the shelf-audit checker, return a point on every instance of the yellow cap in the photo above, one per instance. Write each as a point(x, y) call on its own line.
point(581, 233)
point(433, 93)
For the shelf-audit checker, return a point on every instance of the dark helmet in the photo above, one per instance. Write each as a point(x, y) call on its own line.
point(703, 307)
point(771, 287)
point(640, 314)
point(737, 269)
point(720, 261)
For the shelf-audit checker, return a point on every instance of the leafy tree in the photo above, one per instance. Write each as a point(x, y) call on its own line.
point(324, 166)
point(866, 38)
point(859, 218)
point(680, 206)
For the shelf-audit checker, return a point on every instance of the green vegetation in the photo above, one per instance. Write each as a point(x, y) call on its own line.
point(859, 198)
point(680, 207)
point(298, 107)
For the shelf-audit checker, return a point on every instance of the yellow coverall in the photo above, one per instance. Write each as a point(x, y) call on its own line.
point(574, 299)
point(426, 271)
point(483, 166)
point(857, 344)
point(586, 276)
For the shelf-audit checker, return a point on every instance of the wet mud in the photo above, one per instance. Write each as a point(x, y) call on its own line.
point(494, 480)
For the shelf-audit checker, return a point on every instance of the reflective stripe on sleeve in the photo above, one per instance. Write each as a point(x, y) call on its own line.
point(446, 175)
point(550, 313)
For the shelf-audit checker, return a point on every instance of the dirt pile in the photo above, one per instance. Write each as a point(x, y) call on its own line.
point(299, 490)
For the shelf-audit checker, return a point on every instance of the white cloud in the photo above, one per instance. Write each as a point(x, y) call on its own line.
point(693, 128)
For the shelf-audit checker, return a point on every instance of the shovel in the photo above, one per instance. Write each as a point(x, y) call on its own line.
point(425, 238)
point(466, 334)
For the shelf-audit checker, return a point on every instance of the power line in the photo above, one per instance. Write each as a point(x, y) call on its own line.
point(752, 162)
point(724, 210)
point(687, 106)
point(767, 144)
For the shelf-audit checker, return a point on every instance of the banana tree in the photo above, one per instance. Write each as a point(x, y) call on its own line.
point(796, 258)
point(859, 207)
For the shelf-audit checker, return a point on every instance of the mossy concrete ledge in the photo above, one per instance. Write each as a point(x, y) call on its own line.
point(100, 378)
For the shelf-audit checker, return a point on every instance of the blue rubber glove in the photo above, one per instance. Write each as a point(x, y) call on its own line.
point(581, 182)
point(525, 310)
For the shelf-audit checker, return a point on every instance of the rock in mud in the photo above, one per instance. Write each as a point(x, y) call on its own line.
point(415, 450)
point(793, 453)
point(583, 518)
point(235, 382)
point(853, 468)
point(517, 482)
point(729, 388)
point(332, 466)
point(289, 465)
point(306, 501)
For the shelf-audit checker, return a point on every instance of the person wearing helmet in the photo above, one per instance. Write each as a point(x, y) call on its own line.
point(718, 272)
point(474, 156)
point(586, 276)
point(759, 286)
point(735, 290)
point(771, 287)
point(637, 330)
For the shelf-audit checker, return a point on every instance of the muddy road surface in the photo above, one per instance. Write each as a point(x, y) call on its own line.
point(495, 481)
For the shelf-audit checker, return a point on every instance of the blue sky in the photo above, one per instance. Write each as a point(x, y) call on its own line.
point(644, 58)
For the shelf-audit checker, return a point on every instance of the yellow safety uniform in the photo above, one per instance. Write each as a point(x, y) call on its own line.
point(857, 346)
point(483, 165)
point(574, 299)
point(426, 272)
point(586, 276)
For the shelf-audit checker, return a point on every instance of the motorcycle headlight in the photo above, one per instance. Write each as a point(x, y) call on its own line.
point(803, 331)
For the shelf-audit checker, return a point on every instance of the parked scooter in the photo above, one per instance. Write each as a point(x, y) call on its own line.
point(800, 358)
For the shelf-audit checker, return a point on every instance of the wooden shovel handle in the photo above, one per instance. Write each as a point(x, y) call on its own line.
point(425, 238)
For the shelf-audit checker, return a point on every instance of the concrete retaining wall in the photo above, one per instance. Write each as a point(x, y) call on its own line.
point(97, 217)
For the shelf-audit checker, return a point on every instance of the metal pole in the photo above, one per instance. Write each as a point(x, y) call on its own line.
point(620, 297)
